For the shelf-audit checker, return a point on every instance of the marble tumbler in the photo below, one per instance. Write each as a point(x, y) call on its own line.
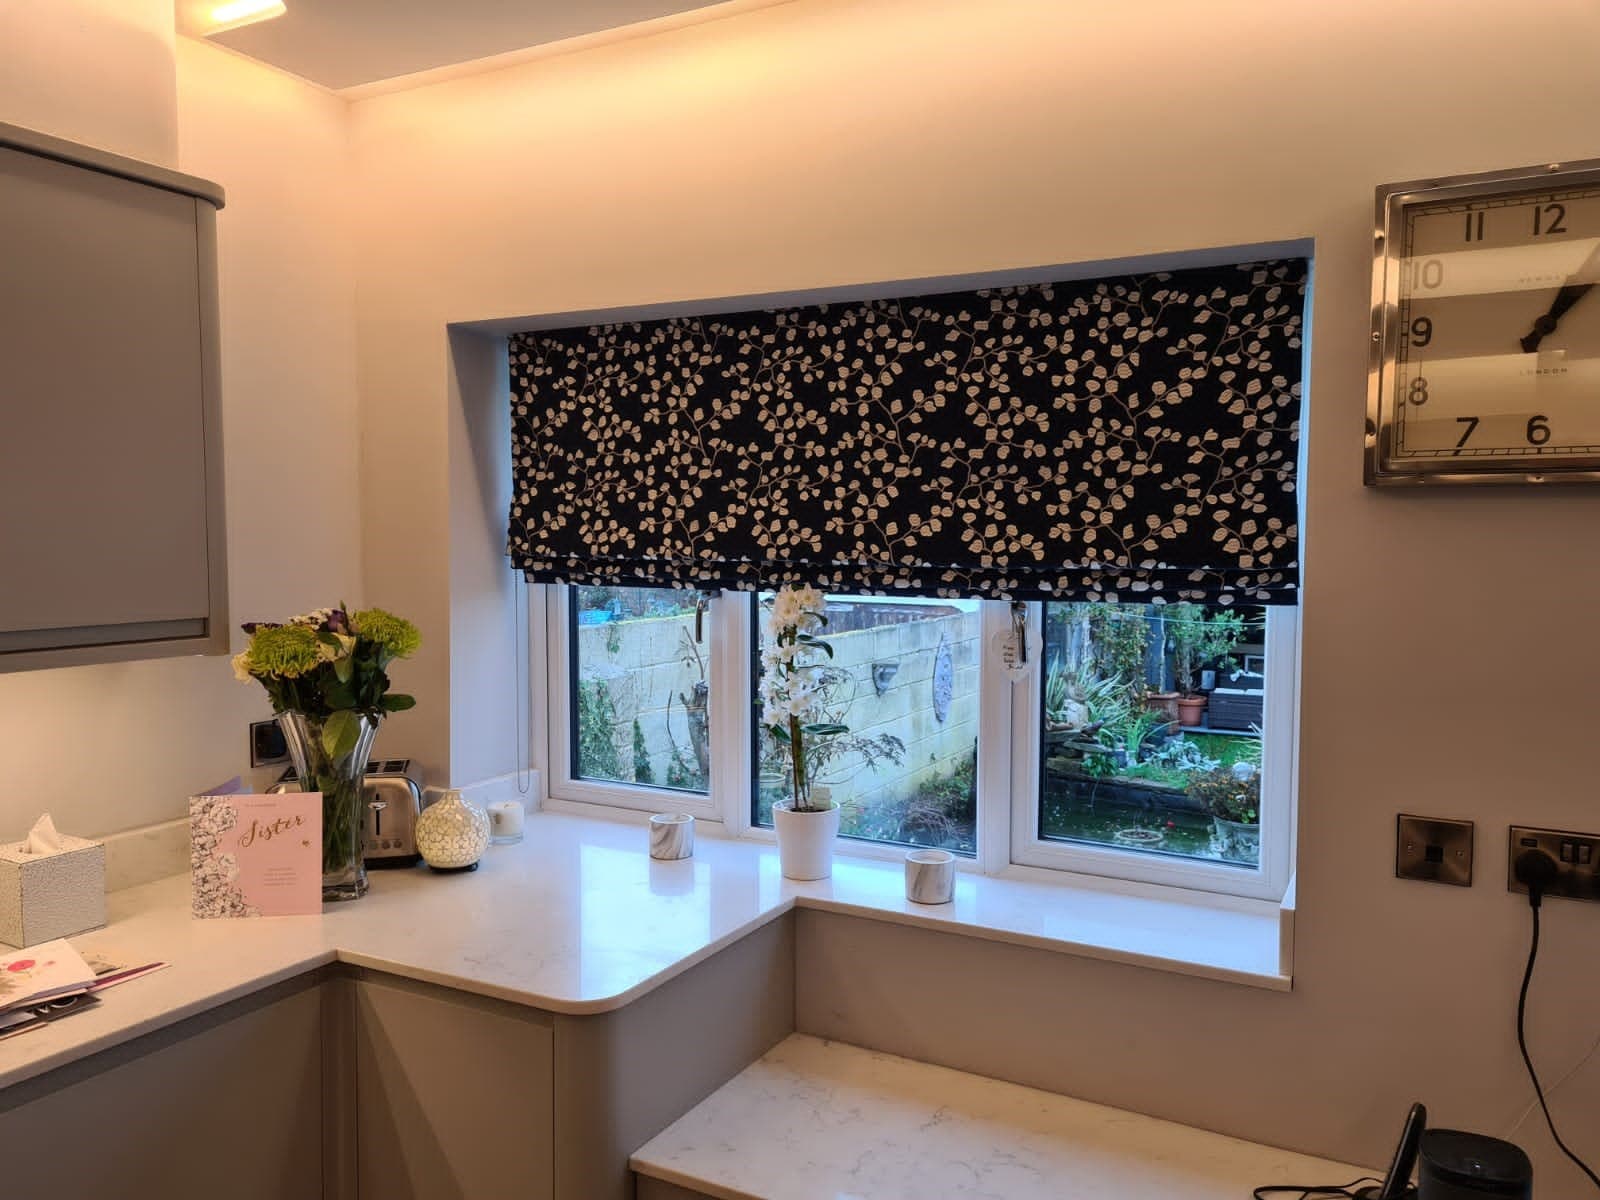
point(930, 876)
point(671, 836)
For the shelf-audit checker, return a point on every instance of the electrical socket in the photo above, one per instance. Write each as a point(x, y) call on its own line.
point(1576, 855)
point(267, 745)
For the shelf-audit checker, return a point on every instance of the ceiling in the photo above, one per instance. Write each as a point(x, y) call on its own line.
point(347, 43)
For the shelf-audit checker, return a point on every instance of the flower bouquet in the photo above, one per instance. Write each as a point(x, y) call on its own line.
point(326, 674)
point(791, 691)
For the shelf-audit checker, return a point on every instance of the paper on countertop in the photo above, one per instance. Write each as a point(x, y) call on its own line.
point(43, 838)
point(39, 973)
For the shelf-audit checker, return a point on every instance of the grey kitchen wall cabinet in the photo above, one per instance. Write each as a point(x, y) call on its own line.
point(112, 543)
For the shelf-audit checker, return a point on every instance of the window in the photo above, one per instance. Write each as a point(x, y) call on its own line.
point(638, 695)
point(904, 679)
point(1085, 760)
point(1151, 735)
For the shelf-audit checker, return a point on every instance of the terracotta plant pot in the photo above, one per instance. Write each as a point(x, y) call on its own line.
point(805, 840)
point(1189, 710)
point(1163, 702)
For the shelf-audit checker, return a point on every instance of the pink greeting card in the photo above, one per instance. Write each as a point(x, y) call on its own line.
point(256, 856)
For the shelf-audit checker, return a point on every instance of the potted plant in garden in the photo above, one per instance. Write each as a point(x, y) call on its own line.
point(791, 690)
point(326, 674)
point(1232, 795)
point(1198, 637)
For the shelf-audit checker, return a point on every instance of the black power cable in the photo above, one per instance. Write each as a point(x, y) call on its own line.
point(1299, 1191)
point(1537, 869)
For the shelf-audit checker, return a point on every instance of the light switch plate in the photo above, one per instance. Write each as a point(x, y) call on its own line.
point(1433, 849)
point(1577, 858)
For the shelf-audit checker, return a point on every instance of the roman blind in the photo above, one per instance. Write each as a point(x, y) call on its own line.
point(1128, 438)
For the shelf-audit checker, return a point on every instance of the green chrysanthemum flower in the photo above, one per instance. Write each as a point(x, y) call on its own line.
point(287, 651)
point(398, 637)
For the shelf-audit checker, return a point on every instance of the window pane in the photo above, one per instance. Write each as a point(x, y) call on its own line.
point(904, 679)
point(1152, 720)
point(639, 688)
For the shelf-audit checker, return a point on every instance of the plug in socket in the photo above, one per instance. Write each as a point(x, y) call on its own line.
point(1576, 855)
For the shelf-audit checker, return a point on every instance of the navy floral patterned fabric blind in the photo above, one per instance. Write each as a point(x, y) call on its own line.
point(1132, 438)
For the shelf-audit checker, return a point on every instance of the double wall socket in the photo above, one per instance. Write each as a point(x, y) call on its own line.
point(1577, 858)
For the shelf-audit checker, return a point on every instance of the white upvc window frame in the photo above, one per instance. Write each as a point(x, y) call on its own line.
point(1280, 726)
point(1008, 758)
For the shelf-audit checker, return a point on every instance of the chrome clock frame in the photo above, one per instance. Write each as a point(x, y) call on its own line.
point(1392, 201)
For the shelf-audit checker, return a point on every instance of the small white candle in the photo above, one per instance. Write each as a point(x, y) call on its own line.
point(505, 821)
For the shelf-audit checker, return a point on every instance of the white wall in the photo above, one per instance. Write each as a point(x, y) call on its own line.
point(116, 747)
point(836, 141)
point(94, 71)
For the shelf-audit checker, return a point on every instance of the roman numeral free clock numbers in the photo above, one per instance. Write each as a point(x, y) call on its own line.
point(1486, 329)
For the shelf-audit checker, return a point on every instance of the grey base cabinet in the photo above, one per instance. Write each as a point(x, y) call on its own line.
point(453, 1096)
point(351, 1084)
point(230, 1107)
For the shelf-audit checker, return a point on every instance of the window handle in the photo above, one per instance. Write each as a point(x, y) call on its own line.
point(1019, 630)
point(702, 601)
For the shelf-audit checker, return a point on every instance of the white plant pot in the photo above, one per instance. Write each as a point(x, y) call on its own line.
point(805, 840)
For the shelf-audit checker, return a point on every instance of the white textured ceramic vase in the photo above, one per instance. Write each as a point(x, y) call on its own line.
point(805, 840)
point(452, 834)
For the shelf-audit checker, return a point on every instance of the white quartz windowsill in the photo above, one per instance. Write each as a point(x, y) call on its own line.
point(816, 1120)
point(1165, 929)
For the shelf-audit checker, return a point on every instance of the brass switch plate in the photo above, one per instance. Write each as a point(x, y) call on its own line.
point(1433, 849)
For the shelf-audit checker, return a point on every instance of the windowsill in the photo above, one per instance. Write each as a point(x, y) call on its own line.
point(1160, 928)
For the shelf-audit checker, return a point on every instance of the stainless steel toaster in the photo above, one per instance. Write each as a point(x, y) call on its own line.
point(394, 801)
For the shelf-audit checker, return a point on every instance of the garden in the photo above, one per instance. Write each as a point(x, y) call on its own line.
point(1152, 728)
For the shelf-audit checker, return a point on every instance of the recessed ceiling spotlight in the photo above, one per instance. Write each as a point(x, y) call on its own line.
point(243, 12)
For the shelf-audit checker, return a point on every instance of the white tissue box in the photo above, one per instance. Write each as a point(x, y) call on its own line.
point(48, 896)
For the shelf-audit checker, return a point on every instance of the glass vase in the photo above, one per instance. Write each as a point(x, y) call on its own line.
point(341, 780)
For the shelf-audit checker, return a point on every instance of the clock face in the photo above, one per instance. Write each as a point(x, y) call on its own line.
point(1490, 331)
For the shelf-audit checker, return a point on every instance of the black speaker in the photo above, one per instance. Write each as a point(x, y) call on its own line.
point(1468, 1166)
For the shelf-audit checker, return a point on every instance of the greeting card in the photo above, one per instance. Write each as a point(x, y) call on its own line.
point(256, 856)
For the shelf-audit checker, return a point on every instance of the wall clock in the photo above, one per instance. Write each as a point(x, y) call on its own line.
point(1485, 335)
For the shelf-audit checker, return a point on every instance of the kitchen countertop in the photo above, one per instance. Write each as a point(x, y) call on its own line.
point(816, 1120)
point(578, 919)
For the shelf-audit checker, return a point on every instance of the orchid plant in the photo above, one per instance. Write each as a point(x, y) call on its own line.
point(330, 665)
point(792, 667)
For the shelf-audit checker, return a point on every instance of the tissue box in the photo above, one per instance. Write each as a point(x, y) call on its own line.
point(48, 896)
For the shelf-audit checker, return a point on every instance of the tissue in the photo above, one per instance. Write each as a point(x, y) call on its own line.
point(43, 838)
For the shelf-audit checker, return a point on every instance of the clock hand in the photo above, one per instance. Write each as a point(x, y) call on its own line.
point(1546, 325)
point(1569, 295)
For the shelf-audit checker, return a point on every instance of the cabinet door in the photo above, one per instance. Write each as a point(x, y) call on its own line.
point(109, 478)
point(453, 1097)
point(233, 1109)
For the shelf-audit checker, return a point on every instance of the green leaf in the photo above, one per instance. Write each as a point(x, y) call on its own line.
point(340, 732)
point(825, 729)
point(342, 668)
point(779, 733)
point(816, 643)
point(398, 702)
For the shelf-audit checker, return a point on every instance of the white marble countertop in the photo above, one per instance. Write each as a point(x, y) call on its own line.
point(578, 919)
point(818, 1120)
